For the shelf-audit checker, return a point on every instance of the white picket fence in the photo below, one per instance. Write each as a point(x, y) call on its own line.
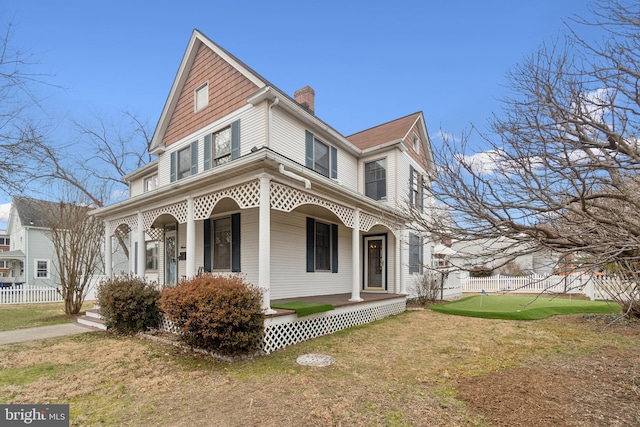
point(572, 284)
point(27, 294)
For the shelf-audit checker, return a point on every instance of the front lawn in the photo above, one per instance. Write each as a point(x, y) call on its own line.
point(519, 307)
point(20, 316)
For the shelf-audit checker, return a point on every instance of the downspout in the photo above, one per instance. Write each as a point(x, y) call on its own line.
point(307, 183)
point(273, 104)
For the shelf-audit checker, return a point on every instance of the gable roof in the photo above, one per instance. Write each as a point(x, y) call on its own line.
point(393, 131)
point(32, 212)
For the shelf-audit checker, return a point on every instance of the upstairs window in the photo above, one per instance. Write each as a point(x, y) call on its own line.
point(151, 183)
point(321, 157)
point(222, 146)
point(375, 179)
point(4, 241)
point(416, 189)
point(201, 97)
point(184, 162)
point(416, 144)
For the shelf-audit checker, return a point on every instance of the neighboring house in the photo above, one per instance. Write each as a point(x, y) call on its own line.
point(5, 246)
point(249, 180)
point(492, 254)
point(31, 255)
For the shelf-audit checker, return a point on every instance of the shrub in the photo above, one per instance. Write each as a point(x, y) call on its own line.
point(129, 304)
point(426, 288)
point(221, 314)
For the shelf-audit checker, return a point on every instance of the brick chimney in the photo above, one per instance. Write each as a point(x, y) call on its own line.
point(305, 97)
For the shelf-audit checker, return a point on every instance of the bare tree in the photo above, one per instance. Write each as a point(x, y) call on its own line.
point(77, 242)
point(560, 169)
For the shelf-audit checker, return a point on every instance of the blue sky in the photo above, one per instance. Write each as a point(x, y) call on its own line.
point(369, 62)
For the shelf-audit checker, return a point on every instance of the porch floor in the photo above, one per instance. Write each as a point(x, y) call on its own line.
point(336, 300)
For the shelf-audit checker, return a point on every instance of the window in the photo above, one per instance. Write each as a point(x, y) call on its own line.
point(184, 162)
point(322, 246)
point(4, 241)
point(375, 179)
point(151, 183)
point(42, 268)
point(152, 255)
point(416, 144)
point(415, 253)
point(201, 97)
point(321, 157)
point(222, 146)
point(416, 189)
point(222, 243)
point(4, 264)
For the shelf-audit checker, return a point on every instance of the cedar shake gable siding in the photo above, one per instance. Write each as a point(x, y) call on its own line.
point(228, 91)
point(403, 129)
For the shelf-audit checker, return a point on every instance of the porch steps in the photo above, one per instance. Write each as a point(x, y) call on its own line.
point(94, 319)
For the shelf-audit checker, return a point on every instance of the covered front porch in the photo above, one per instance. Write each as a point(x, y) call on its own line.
point(284, 328)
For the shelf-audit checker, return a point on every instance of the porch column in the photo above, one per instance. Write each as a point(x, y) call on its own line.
point(264, 243)
point(355, 257)
point(191, 239)
point(108, 262)
point(142, 247)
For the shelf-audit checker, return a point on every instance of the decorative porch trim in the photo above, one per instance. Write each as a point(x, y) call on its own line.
point(130, 221)
point(285, 198)
point(246, 195)
point(177, 210)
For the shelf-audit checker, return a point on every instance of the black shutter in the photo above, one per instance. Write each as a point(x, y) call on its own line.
point(334, 162)
point(207, 245)
point(194, 157)
point(173, 166)
point(207, 151)
point(311, 245)
point(235, 139)
point(308, 149)
point(235, 242)
point(334, 248)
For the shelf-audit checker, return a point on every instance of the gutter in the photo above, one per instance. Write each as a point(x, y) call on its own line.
point(307, 183)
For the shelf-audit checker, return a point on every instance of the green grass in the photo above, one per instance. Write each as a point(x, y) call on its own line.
point(517, 307)
point(20, 316)
point(304, 308)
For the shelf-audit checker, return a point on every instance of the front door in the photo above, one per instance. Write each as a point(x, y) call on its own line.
point(171, 256)
point(375, 271)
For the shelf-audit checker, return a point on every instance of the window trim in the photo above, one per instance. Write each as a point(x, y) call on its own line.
point(235, 244)
point(150, 179)
point(311, 246)
point(153, 256)
point(384, 168)
point(310, 155)
point(416, 250)
point(37, 270)
point(203, 87)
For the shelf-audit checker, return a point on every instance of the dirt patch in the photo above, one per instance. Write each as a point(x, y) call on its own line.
point(597, 389)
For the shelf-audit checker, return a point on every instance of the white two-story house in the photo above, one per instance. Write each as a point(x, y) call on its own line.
point(249, 180)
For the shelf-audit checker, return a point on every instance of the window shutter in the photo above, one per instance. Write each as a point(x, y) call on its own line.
point(311, 234)
point(308, 149)
point(411, 201)
point(207, 152)
point(334, 248)
point(334, 162)
point(207, 245)
point(235, 139)
point(173, 166)
point(235, 243)
point(421, 193)
point(194, 158)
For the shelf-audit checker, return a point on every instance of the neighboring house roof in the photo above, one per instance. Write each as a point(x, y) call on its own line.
point(394, 130)
point(12, 255)
point(33, 212)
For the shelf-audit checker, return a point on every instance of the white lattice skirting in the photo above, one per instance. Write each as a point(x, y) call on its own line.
point(283, 331)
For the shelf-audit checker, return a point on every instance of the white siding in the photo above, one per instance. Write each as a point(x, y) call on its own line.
point(289, 277)
point(136, 187)
point(40, 247)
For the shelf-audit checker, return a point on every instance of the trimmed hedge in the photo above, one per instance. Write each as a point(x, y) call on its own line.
point(129, 304)
point(221, 314)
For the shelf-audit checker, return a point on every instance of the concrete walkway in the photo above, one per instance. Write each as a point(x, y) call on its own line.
point(42, 332)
